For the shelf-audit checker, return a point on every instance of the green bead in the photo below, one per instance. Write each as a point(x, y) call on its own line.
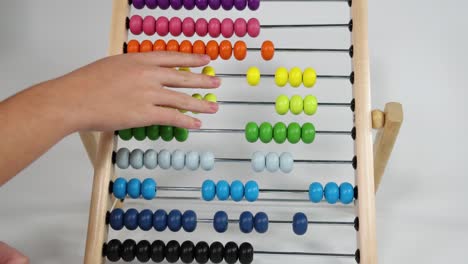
point(181, 134)
point(294, 133)
point(125, 134)
point(296, 105)
point(251, 132)
point(139, 133)
point(280, 132)
point(282, 104)
point(266, 132)
point(308, 133)
point(166, 132)
point(310, 105)
point(152, 132)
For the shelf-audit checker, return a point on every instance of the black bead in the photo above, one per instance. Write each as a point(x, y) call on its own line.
point(350, 25)
point(127, 23)
point(111, 187)
point(353, 133)
point(351, 51)
point(355, 192)
point(157, 251)
point(231, 252)
point(187, 252)
point(350, 3)
point(355, 162)
point(246, 253)
point(216, 252)
point(353, 105)
point(202, 252)
point(127, 251)
point(356, 224)
point(172, 251)
point(114, 157)
point(125, 48)
point(112, 250)
point(357, 256)
point(143, 251)
point(351, 78)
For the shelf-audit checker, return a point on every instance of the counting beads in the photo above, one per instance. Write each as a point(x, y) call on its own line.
point(200, 4)
point(237, 191)
point(223, 190)
point(272, 162)
point(167, 133)
point(300, 224)
point(253, 76)
point(332, 193)
point(294, 132)
point(295, 76)
point(220, 221)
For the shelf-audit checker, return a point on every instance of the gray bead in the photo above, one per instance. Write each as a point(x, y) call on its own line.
point(258, 161)
point(272, 162)
point(150, 159)
point(286, 162)
point(207, 161)
point(178, 160)
point(122, 158)
point(164, 159)
point(192, 160)
point(136, 158)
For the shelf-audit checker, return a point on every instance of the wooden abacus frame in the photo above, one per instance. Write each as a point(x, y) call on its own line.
point(370, 165)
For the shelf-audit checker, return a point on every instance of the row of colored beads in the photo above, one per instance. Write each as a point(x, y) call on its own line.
point(296, 104)
point(134, 188)
point(167, 133)
point(200, 4)
point(272, 162)
point(280, 132)
point(222, 190)
point(332, 192)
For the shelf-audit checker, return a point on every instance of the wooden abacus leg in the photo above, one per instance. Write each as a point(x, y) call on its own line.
point(388, 123)
point(90, 142)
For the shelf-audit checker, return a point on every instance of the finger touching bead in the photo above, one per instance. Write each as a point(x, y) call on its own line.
point(172, 45)
point(185, 47)
point(133, 46)
point(146, 46)
point(159, 45)
point(208, 70)
point(152, 132)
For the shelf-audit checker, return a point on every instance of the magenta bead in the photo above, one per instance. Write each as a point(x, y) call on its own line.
point(201, 27)
point(138, 4)
point(136, 24)
point(162, 26)
point(240, 27)
point(227, 27)
point(175, 26)
point(149, 25)
point(253, 27)
point(188, 27)
point(151, 4)
point(214, 27)
point(240, 4)
point(253, 4)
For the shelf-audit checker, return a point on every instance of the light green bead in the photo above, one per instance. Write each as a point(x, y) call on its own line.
point(296, 105)
point(295, 77)
point(208, 70)
point(281, 76)
point(210, 98)
point(310, 105)
point(282, 104)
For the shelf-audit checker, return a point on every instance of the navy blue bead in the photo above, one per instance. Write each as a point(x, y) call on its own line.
point(160, 220)
point(119, 188)
point(116, 219)
point(131, 219)
point(189, 221)
point(246, 222)
point(145, 220)
point(220, 221)
point(261, 222)
point(174, 220)
point(300, 224)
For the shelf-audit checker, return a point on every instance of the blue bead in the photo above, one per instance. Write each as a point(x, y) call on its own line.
point(237, 191)
point(133, 188)
point(300, 224)
point(261, 222)
point(174, 220)
point(189, 221)
point(131, 219)
point(222, 190)
point(116, 219)
point(208, 190)
point(316, 192)
point(119, 188)
point(220, 221)
point(251, 191)
point(160, 220)
point(332, 193)
point(346, 193)
point(145, 220)
point(148, 189)
point(246, 222)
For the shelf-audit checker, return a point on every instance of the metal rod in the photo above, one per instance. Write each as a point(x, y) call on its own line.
point(242, 75)
point(336, 255)
point(343, 223)
point(232, 130)
point(305, 25)
point(298, 161)
point(302, 50)
point(273, 103)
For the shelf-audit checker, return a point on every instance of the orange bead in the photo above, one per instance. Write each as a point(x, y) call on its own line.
point(268, 50)
point(199, 47)
point(146, 46)
point(159, 45)
point(133, 46)
point(240, 50)
point(225, 49)
point(185, 46)
point(212, 49)
point(172, 45)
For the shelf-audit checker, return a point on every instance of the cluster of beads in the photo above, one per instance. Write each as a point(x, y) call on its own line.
point(189, 27)
point(247, 222)
point(208, 97)
point(151, 159)
point(272, 162)
point(296, 105)
point(295, 77)
point(332, 192)
point(167, 133)
point(134, 188)
point(237, 191)
point(200, 4)
point(280, 132)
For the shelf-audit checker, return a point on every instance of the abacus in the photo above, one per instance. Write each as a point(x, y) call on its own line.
point(262, 183)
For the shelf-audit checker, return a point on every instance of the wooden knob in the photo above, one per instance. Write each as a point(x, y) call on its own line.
point(378, 119)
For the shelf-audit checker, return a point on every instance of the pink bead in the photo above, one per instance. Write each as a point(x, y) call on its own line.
point(162, 26)
point(214, 27)
point(188, 27)
point(136, 25)
point(175, 26)
point(253, 27)
point(201, 26)
point(240, 27)
point(149, 25)
point(227, 27)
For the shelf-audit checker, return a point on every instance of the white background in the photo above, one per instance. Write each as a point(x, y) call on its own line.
point(418, 57)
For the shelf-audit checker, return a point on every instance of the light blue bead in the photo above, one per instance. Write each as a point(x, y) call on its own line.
point(222, 190)
point(346, 193)
point(150, 159)
point(164, 159)
point(178, 160)
point(133, 188)
point(331, 192)
point(316, 192)
point(208, 190)
point(119, 188)
point(207, 161)
point(286, 162)
point(192, 160)
point(122, 158)
point(237, 191)
point(251, 191)
point(148, 189)
point(272, 162)
point(136, 159)
point(258, 161)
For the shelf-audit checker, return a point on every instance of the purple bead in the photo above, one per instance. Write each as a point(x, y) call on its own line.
point(254, 4)
point(215, 4)
point(201, 4)
point(176, 4)
point(227, 4)
point(138, 4)
point(189, 4)
point(164, 4)
point(240, 4)
point(151, 4)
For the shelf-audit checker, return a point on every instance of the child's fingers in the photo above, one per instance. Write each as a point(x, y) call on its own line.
point(175, 59)
point(172, 117)
point(183, 101)
point(178, 79)
point(11, 255)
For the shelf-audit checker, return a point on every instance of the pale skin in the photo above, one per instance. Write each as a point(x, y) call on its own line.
point(131, 90)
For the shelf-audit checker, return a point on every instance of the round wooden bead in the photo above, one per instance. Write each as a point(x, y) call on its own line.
point(282, 105)
point(151, 4)
point(294, 133)
point(251, 191)
point(258, 161)
point(240, 27)
point(266, 132)
point(146, 46)
point(208, 70)
point(272, 162)
point(315, 192)
point(145, 220)
point(253, 27)
point(240, 50)
point(159, 45)
point(261, 222)
point(346, 193)
point(172, 251)
point(268, 50)
point(309, 77)
point(202, 250)
point(148, 189)
point(185, 47)
point(119, 188)
point(139, 133)
point(176, 4)
point(310, 105)
point(300, 224)
point(164, 159)
point(225, 50)
point(231, 252)
point(116, 219)
point(286, 162)
point(133, 46)
point(134, 188)
point(253, 76)
point(152, 132)
point(210, 98)
point(246, 253)
point(150, 159)
point(216, 252)
point(188, 27)
point(214, 4)
point(172, 45)
point(237, 191)
point(149, 25)
point(220, 221)
point(331, 192)
point(214, 27)
point(378, 119)
point(201, 4)
point(280, 132)
point(246, 222)
point(281, 76)
point(136, 24)
point(131, 219)
point(122, 158)
point(192, 160)
point(308, 133)
point(113, 250)
point(212, 49)
point(199, 47)
point(158, 249)
point(164, 4)
point(251, 132)
point(162, 26)
point(189, 4)
point(296, 105)
point(197, 96)
point(201, 27)
point(253, 4)
point(174, 220)
point(138, 4)
point(227, 4)
point(187, 252)
point(167, 133)
point(207, 161)
point(178, 159)
point(160, 220)
point(222, 190)
point(240, 4)
point(136, 159)
point(295, 77)
point(175, 26)
point(227, 27)
point(127, 251)
point(125, 134)
point(189, 221)
point(142, 251)
point(208, 190)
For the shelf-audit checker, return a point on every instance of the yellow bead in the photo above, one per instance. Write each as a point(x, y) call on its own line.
point(295, 77)
point(281, 76)
point(309, 77)
point(182, 111)
point(282, 104)
point(253, 76)
point(296, 105)
point(197, 96)
point(211, 98)
point(185, 69)
point(310, 105)
point(208, 70)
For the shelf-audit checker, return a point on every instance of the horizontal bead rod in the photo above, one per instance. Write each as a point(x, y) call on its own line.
point(301, 50)
point(273, 103)
point(304, 25)
point(298, 161)
point(209, 221)
point(336, 255)
point(243, 75)
point(289, 200)
point(232, 130)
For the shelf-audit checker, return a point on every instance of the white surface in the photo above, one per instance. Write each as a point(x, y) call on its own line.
point(418, 57)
